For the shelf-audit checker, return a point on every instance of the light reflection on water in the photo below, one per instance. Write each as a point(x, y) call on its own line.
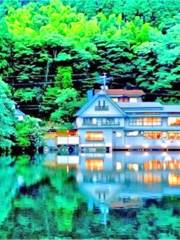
point(124, 180)
point(112, 196)
point(111, 178)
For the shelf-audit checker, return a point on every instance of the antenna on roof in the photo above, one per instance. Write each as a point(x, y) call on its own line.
point(104, 80)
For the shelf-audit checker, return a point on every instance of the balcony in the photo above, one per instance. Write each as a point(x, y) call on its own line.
point(101, 124)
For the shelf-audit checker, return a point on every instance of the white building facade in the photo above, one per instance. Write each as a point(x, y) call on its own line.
point(108, 122)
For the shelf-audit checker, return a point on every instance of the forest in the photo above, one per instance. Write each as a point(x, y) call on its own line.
point(52, 52)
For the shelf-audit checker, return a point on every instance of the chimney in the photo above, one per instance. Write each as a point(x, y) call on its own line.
point(89, 94)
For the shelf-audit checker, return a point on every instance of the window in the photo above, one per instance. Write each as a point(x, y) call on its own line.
point(118, 134)
point(89, 121)
point(150, 178)
point(152, 121)
point(173, 179)
point(101, 106)
point(94, 121)
point(153, 135)
point(133, 100)
point(162, 135)
point(153, 165)
point(94, 164)
point(174, 121)
point(133, 166)
point(118, 166)
point(115, 99)
point(94, 136)
point(110, 121)
point(149, 121)
point(123, 99)
point(132, 133)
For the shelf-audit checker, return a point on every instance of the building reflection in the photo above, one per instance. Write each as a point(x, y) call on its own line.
point(123, 179)
point(126, 180)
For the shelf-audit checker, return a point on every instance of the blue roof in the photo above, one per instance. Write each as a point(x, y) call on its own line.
point(149, 106)
point(172, 108)
point(101, 93)
point(141, 105)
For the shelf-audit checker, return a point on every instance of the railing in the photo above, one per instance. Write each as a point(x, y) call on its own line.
point(101, 124)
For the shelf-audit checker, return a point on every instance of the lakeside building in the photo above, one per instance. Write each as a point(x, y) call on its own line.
point(116, 119)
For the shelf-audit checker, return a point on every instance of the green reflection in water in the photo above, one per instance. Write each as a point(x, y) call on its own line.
point(37, 202)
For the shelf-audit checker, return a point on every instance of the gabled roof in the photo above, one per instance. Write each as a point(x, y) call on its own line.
point(123, 92)
point(88, 104)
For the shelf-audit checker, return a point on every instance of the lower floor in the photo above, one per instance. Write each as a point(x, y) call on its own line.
point(108, 139)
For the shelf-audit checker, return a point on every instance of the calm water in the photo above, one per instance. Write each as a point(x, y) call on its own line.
point(124, 196)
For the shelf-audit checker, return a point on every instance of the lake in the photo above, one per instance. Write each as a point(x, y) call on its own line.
point(124, 195)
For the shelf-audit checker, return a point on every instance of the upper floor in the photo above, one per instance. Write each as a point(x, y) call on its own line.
point(102, 112)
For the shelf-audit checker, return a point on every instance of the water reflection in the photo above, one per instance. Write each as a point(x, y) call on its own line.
point(124, 180)
point(145, 168)
point(108, 177)
point(38, 201)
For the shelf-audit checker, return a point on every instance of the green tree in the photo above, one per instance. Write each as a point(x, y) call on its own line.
point(63, 78)
point(67, 103)
point(7, 118)
point(28, 133)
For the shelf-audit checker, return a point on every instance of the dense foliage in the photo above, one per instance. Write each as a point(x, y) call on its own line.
point(7, 118)
point(28, 133)
point(48, 46)
point(25, 133)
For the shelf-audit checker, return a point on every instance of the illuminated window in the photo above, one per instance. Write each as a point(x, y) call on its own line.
point(118, 134)
point(94, 164)
point(174, 135)
point(162, 135)
point(149, 121)
point(94, 136)
point(153, 165)
point(174, 121)
point(118, 166)
point(174, 179)
point(153, 135)
point(151, 178)
point(115, 99)
point(133, 100)
point(133, 166)
point(132, 133)
point(172, 165)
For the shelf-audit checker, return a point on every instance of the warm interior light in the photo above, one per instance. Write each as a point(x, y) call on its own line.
point(133, 166)
point(174, 179)
point(153, 165)
point(174, 121)
point(94, 136)
point(118, 166)
point(151, 178)
point(94, 164)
